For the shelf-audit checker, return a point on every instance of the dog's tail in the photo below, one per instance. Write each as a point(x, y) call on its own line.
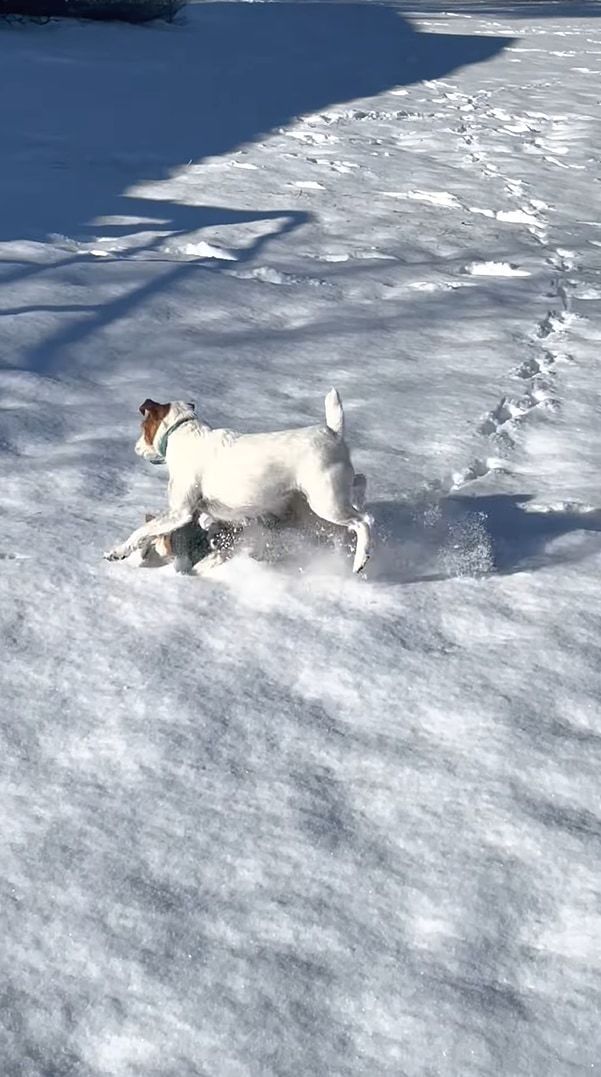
point(334, 413)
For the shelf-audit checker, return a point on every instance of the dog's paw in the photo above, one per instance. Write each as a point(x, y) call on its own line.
point(118, 554)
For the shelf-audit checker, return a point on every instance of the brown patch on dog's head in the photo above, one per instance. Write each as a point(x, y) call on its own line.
point(153, 416)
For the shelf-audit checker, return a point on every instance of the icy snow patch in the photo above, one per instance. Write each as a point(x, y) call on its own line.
point(495, 269)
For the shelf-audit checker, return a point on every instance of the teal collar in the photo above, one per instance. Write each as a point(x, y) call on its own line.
point(164, 438)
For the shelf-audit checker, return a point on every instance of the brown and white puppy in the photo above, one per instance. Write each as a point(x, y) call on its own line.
point(223, 476)
point(187, 546)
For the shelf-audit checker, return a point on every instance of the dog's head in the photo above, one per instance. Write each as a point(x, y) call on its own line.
point(157, 421)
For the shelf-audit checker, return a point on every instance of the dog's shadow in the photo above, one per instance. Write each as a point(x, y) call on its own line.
point(436, 538)
point(477, 536)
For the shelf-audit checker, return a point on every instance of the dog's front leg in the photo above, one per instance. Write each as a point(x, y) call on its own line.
point(161, 525)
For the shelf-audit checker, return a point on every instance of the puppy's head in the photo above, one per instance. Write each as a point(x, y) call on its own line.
point(162, 544)
point(156, 421)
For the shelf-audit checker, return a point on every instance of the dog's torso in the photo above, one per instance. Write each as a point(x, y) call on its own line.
point(233, 476)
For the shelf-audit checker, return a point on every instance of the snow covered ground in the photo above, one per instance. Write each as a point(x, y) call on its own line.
point(287, 821)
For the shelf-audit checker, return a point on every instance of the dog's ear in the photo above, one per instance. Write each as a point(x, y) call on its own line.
point(148, 407)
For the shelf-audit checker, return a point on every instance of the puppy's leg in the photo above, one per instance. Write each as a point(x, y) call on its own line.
point(161, 525)
point(330, 498)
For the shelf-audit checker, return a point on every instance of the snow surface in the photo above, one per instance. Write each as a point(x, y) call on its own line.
point(286, 821)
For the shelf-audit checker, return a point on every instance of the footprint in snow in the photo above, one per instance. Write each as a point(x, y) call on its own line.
point(312, 138)
point(553, 322)
point(334, 166)
point(509, 411)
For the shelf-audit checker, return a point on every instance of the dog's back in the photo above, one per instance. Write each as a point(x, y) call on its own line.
point(255, 474)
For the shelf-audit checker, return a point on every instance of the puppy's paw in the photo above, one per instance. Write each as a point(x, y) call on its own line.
point(118, 554)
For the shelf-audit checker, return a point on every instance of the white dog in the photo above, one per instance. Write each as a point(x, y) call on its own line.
point(219, 475)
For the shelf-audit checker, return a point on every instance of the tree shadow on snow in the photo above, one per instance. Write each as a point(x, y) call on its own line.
point(96, 110)
point(476, 536)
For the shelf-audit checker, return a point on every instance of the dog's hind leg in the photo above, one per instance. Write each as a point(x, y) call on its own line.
point(361, 527)
point(330, 501)
point(359, 491)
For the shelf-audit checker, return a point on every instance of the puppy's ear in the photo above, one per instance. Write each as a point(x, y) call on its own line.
point(148, 406)
point(192, 405)
point(164, 546)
